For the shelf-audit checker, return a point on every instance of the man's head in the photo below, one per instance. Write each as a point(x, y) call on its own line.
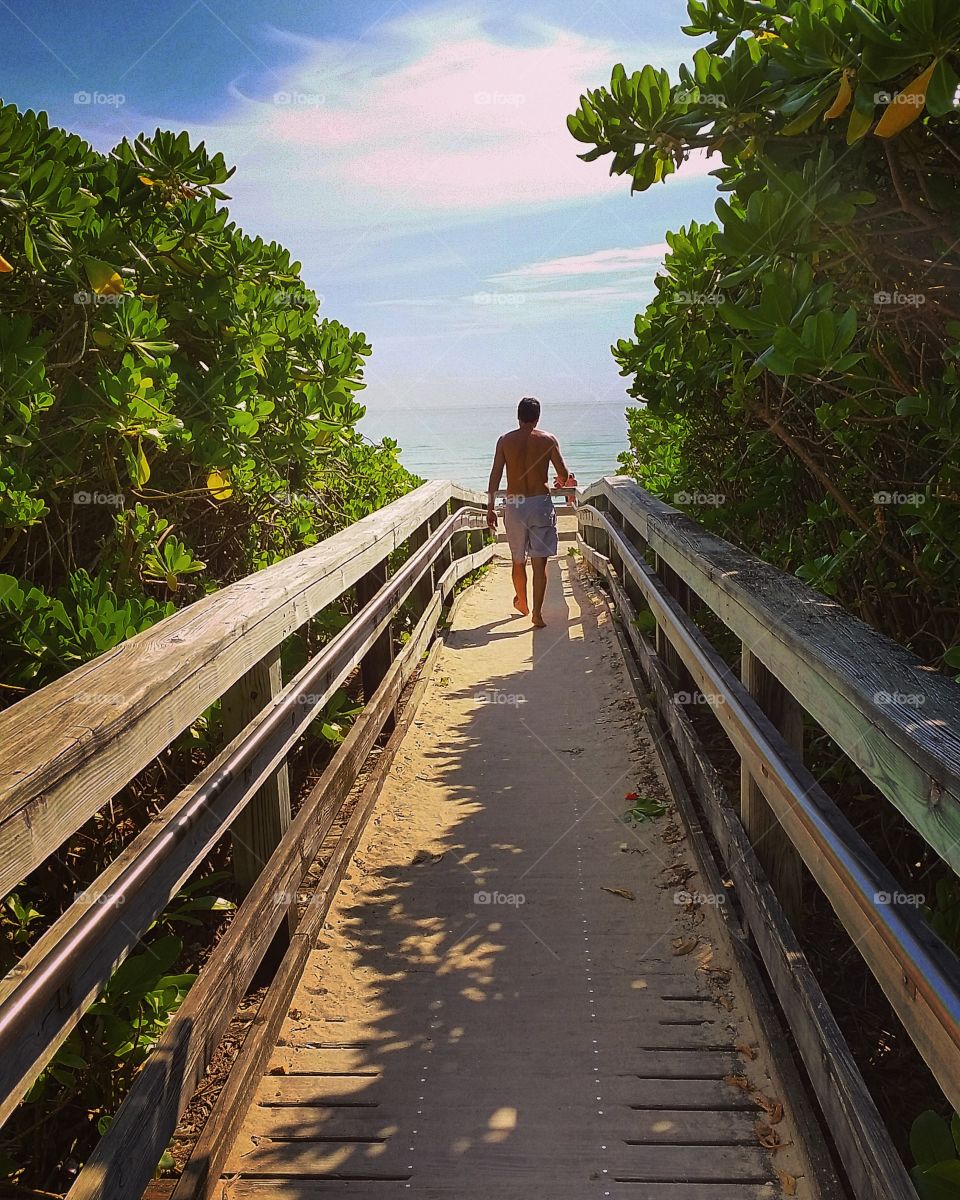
point(528, 411)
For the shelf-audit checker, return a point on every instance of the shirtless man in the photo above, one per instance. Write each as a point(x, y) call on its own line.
point(528, 515)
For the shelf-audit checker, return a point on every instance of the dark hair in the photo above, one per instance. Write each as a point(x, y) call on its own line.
point(528, 409)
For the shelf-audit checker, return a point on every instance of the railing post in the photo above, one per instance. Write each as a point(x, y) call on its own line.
point(376, 662)
point(257, 830)
point(680, 678)
point(424, 589)
point(780, 860)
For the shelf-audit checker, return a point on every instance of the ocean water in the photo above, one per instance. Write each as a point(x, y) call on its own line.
point(458, 443)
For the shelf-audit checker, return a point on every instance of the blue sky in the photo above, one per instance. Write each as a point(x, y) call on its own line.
point(414, 158)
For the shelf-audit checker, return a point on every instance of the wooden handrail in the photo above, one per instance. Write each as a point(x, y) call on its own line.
point(858, 686)
point(67, 749)
point(895, 718)
point(207, 647)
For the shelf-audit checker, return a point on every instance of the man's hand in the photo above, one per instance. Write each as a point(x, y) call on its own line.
point(491, 518)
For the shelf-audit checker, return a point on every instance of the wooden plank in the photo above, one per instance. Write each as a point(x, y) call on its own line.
point(802, 1121)
point(864, 1144)
point(782, 864)
point(81, 950)
point(391, 1160)
point(376, 662)
point(201, 1174)
point(67, 749)
point(259, 828)
point(257, 831)
point(460, 1189)
point(919, 976)
point(893, 717)
point(149, 1113)
point(677, 1127)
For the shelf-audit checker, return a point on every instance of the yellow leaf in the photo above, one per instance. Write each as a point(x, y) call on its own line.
point(172, 582)
point(219, 484)
point(147, 180)
point(627, 895)
point(103, 278)
point(5, 267)
point(906, 106)
point(844, 96)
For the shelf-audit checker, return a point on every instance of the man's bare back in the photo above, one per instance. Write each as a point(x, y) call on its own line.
point(527, 454)
point(530, 521)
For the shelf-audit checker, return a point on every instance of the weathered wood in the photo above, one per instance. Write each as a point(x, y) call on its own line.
point(892, 716)
point(376, 662)
point(918, 974)
point(67, 749)
point(461, 1189)
point(131, 1147)
point(801, 1118)
point(82, 949)
point(149, 1113)
point(867, 1153)
point(781, 862)
point(200, 1177)
point(258, 828)
point(672, 663)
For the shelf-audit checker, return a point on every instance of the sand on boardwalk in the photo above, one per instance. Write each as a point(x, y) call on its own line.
point(515, 994)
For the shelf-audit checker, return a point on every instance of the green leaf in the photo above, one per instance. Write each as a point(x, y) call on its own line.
point(930, 1139)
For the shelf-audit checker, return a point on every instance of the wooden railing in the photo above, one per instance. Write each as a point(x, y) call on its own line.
point(68, 749)
point(891, 716)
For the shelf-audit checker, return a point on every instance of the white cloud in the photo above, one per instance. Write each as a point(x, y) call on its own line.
point(425, 117)
point(601, 262)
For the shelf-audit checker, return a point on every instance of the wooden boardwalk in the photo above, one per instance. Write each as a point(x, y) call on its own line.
point(510, 999)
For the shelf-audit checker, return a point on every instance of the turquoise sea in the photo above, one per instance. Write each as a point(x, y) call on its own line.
point(457, 443)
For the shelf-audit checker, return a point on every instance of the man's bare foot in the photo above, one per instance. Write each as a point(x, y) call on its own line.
point(520, 606)
point(538, 622)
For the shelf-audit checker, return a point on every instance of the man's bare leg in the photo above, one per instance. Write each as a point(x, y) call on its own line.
point(539, 589)
point(520, 588)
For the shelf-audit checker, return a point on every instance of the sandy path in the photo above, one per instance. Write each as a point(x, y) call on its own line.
point(483, 1018)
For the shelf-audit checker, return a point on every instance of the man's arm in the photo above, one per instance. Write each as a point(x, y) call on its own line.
point(557, 459)
point(496, 474)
